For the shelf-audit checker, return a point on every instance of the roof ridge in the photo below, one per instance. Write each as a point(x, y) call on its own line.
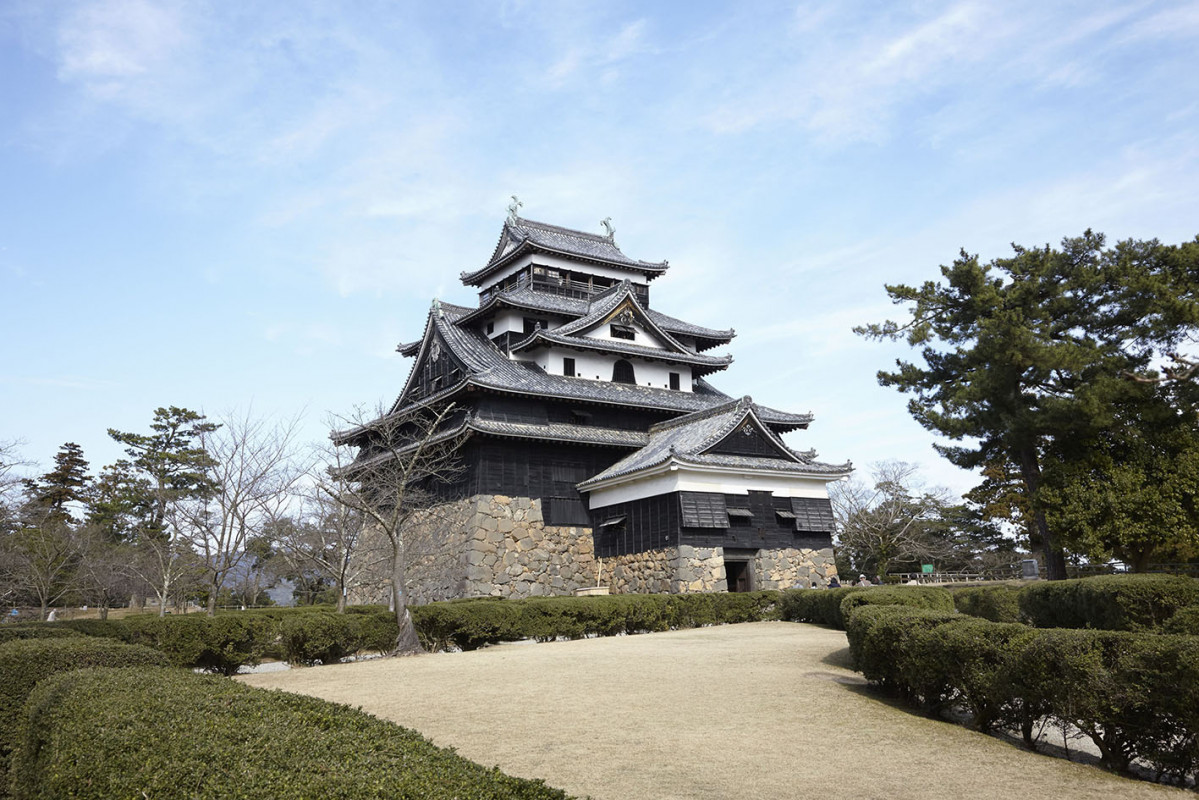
point(598, 237)
point(698, 416)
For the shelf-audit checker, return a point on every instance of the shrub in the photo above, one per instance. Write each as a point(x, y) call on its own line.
point(106, 628)
point(221, 644)
point(310, 639)
point(378, 631)
point(886, 645)
point(821, 606)
point(995, 603)
point(1109, 602)
point(975, 657)
point(1185, 621)
point(932, 598)
point(1136, 695)
point(466, 625)
point(23, 663)
point(159, 733)
point(33, 630)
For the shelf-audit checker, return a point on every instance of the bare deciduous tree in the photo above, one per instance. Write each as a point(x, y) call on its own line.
point(251, 474)
point(329, 537)
point(165, 566)
point(886, 520)
point(43, 555)
point(401, 464)
point(104, 569)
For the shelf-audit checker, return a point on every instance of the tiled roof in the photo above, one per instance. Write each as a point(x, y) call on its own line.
point(520, 235)
point(533, 300)
point(489, 368)
point(562, 432)
point(601, 307)
point(685, 439)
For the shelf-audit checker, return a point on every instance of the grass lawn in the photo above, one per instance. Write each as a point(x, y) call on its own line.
point(758, 710)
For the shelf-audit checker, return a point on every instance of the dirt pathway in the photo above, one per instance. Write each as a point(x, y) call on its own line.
point(761, 710)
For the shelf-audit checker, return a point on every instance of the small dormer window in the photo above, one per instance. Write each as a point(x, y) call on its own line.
point(490, 328)
point(623, 332)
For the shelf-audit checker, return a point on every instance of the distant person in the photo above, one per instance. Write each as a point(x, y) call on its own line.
point(53, 616)
point(864, 581)
point(878, 580)
point(833, 583)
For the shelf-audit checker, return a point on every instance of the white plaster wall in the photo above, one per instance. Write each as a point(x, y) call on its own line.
point(644, 337)
point(685, 480)
point(598, 366)
point(514, 321)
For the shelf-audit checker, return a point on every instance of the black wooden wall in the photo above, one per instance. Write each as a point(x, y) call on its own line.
point(656, 522)
point(543, 470)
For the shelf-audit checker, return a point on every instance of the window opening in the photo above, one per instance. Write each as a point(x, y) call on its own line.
point(568, 367)
point(622, 372)
point(623, 332)
point(674, 381)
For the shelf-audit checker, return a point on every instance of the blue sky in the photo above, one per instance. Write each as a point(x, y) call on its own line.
point(225, 205)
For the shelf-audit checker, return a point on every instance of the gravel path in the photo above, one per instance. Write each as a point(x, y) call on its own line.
point(760, 710)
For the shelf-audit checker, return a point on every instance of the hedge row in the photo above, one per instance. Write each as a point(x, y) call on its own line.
point(833, 606)
point(32, 630)
point(225, 643)
point(104, 733)
point(997, 603)
point(1136, 695)
point(471, 624)
point(25, 662)
point(221, 644)
point(1109, 602)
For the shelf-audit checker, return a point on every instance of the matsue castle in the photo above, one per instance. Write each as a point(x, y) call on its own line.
point(594, 451)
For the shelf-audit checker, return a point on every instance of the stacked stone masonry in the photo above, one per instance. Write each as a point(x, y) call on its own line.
point(500, 546)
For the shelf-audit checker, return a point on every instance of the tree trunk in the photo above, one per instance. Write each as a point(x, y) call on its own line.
point(103, 612)
point(1051, 550)
point(1139, 559)
point(407, 642)
point(341, 601)
point(212, 592)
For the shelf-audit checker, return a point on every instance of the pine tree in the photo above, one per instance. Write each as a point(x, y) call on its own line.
point(62, 485)
point(1025, 351)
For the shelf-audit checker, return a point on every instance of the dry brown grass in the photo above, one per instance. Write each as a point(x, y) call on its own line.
point(761, 710)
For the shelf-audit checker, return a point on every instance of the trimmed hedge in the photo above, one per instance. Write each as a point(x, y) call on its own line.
point(1185, 621)
point(834, 606)
point(931, 598)
point(98, 734)
point(995, 603)
point(820, 606)
point(1109, 602)
point(25, 662)
point(1136, 695)
point(33, 630)
point(221, 644)
point(320, 638)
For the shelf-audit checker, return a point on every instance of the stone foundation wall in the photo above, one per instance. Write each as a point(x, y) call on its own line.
point(784, 569)
point(699, 569)
point(499, 546)
point(651, 572)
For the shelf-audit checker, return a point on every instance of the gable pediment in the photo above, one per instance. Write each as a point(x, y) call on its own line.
point(628, 322)
point(750, 438)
